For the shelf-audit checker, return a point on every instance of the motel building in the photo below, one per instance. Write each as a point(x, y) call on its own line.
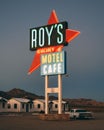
point(55, 106)
point(3, 104)
point(19, 105)
point(39, 105)
point(26, 105)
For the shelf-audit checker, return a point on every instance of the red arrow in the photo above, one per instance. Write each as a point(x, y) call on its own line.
point(70, 35)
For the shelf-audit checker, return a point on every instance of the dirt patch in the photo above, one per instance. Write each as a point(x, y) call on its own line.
point(29, 122)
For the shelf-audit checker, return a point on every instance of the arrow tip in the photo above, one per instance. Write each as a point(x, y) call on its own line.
point(53, 18)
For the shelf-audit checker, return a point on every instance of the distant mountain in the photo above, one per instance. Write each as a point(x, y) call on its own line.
point(84, 102)
point(19, 93)
point(4, 94)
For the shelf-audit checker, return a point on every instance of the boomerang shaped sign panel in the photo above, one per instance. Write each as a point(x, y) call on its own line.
point(50, 38)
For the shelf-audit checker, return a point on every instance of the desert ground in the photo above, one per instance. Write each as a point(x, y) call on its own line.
point(32, 122)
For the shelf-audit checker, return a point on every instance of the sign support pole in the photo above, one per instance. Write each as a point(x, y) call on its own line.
point(60, 94)
point(46, 94)
point(49, 90)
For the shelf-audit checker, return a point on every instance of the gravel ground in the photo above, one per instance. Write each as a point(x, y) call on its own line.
point(31, 122)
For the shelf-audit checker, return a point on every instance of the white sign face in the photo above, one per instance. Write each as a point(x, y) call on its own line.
point(53, 63)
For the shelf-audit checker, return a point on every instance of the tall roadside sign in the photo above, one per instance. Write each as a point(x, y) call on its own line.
point(48, 42)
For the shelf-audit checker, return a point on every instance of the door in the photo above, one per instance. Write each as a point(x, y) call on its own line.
point(27, 107)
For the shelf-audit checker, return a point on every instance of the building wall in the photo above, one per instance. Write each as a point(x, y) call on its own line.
point(38, 105)
point(55, 106)
point(16, 106)
point(3, 106)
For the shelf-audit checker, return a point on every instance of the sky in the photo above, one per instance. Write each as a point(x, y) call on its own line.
point(85, 55)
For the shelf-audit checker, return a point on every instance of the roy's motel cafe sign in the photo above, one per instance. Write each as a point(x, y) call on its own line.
point(48, 42)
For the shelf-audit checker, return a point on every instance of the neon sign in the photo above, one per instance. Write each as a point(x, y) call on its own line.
point(49, 35)
point(55, 34)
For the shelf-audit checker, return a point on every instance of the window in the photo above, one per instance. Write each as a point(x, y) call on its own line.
point(81, 110)
point(56, 106)
point(3, 105)
point(72, 111)
point(15, 106)
point(38, 106)
point(9, 106)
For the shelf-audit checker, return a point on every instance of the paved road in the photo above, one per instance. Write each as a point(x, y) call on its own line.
point(29, 122)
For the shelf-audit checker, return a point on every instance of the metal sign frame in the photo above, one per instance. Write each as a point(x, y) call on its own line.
point(49, 90)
